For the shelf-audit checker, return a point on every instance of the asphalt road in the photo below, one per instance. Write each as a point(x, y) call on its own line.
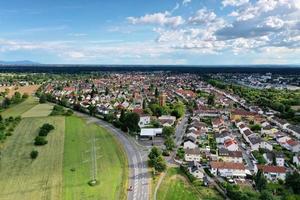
point(139, 175)
point(180, 129)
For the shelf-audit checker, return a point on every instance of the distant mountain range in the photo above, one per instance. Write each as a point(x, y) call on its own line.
point(19, 62)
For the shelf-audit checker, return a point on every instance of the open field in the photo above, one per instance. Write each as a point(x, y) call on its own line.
point(111, 163)
point(30, 89)
point(22, 178)
point(19, 109)
point(175, 186)
point(40, 110)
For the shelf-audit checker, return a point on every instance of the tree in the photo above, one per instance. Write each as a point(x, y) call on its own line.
point(122, 116)
point(25, 96)
point(43, 98)
point(255, 127)
point(34, 154)
point(266, 195)
point(211, 99)
point(106, 91)
point(156, 160)
point(180, 153)
point(144, 104)
point(160, 164)
point(169, 143)
point(156, 92)
point(260, 181)
point(293, 181)
point(40, 141)
point(154, 153)
point(168, 131)
point(131, 121)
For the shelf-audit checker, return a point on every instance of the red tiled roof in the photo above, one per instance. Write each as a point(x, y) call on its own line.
point(271, 168)
point(292, 142)
point(229, 142)
point(227, 165)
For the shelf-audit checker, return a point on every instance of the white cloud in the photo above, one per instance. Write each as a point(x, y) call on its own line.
point(186, 2)
point(203, 16)
point(234, 2)
point(162, 19)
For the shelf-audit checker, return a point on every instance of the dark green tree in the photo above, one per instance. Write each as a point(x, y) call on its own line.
point(260, 181)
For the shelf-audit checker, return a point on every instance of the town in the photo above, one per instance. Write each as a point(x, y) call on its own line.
point(215, 136)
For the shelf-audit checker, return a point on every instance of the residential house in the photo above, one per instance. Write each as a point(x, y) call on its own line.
point(273, 173)
point(167, 120)
point(228, 169)
point(231, 144)
point(189, 145)
point(195, 169)
point(192, 154)
point(221, 137)
point(145, 120)
point(230, 156)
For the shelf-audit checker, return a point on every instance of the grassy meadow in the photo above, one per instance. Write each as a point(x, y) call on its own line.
point(175, 186)
point(24, 178)
point(111, 163)
point(62, 169)
point(19, 109)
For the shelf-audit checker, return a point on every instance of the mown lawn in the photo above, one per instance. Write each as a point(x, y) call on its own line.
point(22, 178)
point(175, 186)
point(111, 163)
point(19, 109)
point(40, 110)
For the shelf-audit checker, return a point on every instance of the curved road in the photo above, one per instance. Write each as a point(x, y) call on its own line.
point(137, 161)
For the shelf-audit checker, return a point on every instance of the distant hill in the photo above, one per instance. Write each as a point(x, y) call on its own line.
point(19, 62)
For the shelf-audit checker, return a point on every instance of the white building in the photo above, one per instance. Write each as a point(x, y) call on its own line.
point(189, 145)
point(150, 132)
point(192, 154)
point(228, 169)
point(144, 121)
point(272, 173)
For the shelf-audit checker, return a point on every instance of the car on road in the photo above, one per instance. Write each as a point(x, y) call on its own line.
point(130, 188)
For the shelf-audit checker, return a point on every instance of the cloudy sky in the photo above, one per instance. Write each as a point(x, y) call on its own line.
point(192, 32)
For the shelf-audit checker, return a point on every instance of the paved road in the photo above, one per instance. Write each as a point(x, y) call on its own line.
point(139, 175)
point(180, 129)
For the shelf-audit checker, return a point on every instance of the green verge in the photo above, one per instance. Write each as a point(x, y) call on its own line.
point(176, 186)
point(19, 109)
point(112, 163)
point(24, 178)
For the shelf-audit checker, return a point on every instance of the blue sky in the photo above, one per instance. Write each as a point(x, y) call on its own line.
point(192, 32)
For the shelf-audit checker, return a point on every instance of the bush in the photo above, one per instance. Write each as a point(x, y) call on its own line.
point(165, 152)
point(40, 141)
point(45, 129)
point(69, 112)
point(48, 127)
point(34, 154)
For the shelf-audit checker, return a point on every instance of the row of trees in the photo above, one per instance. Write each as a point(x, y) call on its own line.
point(40, 140)
point(279, 100)
point(15, 99)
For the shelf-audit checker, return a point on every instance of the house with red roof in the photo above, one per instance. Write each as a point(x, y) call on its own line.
point(272, 172)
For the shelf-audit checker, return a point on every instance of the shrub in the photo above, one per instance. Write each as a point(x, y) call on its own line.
point(34, 154)
point(40, 141)
point(69, 112)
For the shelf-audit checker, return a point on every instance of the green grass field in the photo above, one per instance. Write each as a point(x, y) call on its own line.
point(22, 178)
point(175, 186)
point(112, 163)
point(19, 109)
point(40, 110)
